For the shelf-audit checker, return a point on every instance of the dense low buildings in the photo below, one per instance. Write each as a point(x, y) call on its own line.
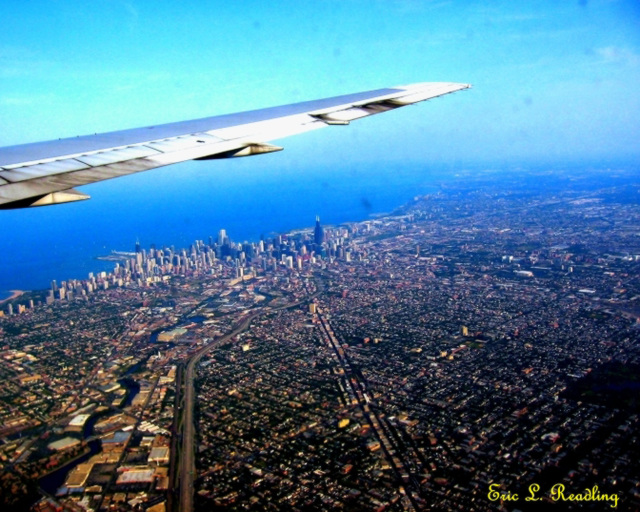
point(485, 335)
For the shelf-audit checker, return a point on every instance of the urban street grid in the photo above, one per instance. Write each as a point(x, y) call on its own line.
point(481, 338)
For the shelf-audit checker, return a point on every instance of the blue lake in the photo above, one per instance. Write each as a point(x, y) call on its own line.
point(179, 204)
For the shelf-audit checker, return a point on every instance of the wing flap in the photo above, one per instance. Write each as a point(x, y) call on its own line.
point(30, 172)
point(184, 142)
point(116, 155)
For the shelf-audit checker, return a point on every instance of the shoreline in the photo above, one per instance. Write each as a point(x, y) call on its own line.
point(14, 295)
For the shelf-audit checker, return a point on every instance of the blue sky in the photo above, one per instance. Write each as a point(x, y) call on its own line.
point(553, 81)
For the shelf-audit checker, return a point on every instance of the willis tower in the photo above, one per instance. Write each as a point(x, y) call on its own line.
point(318, 233)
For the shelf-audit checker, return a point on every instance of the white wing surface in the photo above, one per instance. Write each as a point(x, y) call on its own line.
point(45, 173)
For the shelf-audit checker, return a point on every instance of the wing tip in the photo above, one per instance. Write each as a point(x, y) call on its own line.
point(419, 86)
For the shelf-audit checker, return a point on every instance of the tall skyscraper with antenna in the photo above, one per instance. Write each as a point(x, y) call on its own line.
point(318, 232)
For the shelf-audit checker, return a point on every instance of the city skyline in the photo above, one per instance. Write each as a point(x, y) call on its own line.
point(153, 263)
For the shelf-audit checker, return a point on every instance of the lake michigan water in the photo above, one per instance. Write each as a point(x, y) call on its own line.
point(179, 204)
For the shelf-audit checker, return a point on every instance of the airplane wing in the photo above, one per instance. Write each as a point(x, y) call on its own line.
point(46, 173)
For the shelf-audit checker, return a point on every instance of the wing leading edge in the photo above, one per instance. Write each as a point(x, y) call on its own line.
point(46, 173)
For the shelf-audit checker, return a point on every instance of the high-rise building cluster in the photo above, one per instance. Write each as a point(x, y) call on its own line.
point(145, 267)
